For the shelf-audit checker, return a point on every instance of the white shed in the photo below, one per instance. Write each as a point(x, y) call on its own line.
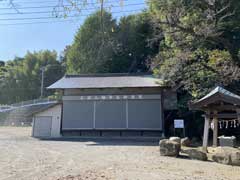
point(47, 122)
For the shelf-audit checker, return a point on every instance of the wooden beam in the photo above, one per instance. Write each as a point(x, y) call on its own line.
point(206, 131)
point(215, 129)
point(229, 116)
point(219, 107)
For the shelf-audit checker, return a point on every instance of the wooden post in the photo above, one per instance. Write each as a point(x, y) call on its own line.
point(162, 114)
point(215, 129)
point(206, 131)
point(238, 114)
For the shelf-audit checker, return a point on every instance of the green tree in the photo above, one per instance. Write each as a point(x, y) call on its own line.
point(93, 46)
point(134, 51)
point(201, 42)
point(123, 47)
point(21, 78)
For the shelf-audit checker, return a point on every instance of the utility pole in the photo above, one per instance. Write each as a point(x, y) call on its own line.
point(42, 81)
point(43, 69)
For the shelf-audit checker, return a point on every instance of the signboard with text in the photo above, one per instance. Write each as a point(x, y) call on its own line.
point(179, 123)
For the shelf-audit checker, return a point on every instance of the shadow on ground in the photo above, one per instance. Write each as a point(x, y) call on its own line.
point(109, 141)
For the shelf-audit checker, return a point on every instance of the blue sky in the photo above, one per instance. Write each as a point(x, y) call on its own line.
point(19, 34)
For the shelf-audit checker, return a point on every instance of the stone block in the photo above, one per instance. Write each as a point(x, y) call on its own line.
point(169, 148)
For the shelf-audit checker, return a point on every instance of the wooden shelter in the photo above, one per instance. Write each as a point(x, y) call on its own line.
point(218, 104)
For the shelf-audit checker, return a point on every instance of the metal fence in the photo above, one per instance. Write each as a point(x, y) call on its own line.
point(4, 108)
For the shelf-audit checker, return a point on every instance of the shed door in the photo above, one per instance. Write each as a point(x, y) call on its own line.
point(42, 126)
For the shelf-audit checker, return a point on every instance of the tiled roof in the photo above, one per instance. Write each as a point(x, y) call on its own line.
point(216, 95)
point(222, 91)
point(106, 81)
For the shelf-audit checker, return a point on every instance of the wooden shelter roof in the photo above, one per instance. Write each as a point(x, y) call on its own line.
point(217, 96)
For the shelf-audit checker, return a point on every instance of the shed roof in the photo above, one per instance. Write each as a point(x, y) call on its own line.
point(219, 94)
point(106, 81)
point(49, 106)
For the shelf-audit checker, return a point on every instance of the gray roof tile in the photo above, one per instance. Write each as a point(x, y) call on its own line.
point(217, 95)
point(222, 91)
point(106, 81)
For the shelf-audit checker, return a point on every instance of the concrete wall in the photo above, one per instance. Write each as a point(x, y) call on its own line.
point(55, 112)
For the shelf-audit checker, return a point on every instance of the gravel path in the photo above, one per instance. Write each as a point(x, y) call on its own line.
point(26, 158)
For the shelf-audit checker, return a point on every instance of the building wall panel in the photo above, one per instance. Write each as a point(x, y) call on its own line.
point(144, 114)
point(111, 114)
point(78, 115)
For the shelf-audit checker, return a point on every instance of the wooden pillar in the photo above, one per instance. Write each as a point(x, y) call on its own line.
point(162, 115)
point(206, 131)
point(215, 129)
point(238, 114)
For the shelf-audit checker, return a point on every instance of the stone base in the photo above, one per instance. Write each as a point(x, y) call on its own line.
point(71, 133)
point(111, 133)
point(131, 133)
point(152, 133)
point(90, 133)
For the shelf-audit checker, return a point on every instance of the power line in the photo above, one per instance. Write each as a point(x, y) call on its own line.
point(74, 18)
point(35, 12)
point(43, 22)
point(55, 1)
point(30, 2)
point(39, 7)
point(46, 12)
point(36, 18)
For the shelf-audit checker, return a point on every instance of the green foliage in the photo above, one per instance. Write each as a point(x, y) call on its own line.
point(199, 49)
point(111, 47)
point(201, 43)
point(134, 48)
point(93, 45)
point(21, 78)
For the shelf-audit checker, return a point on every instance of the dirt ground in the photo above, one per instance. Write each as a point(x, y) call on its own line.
point(26, 158)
